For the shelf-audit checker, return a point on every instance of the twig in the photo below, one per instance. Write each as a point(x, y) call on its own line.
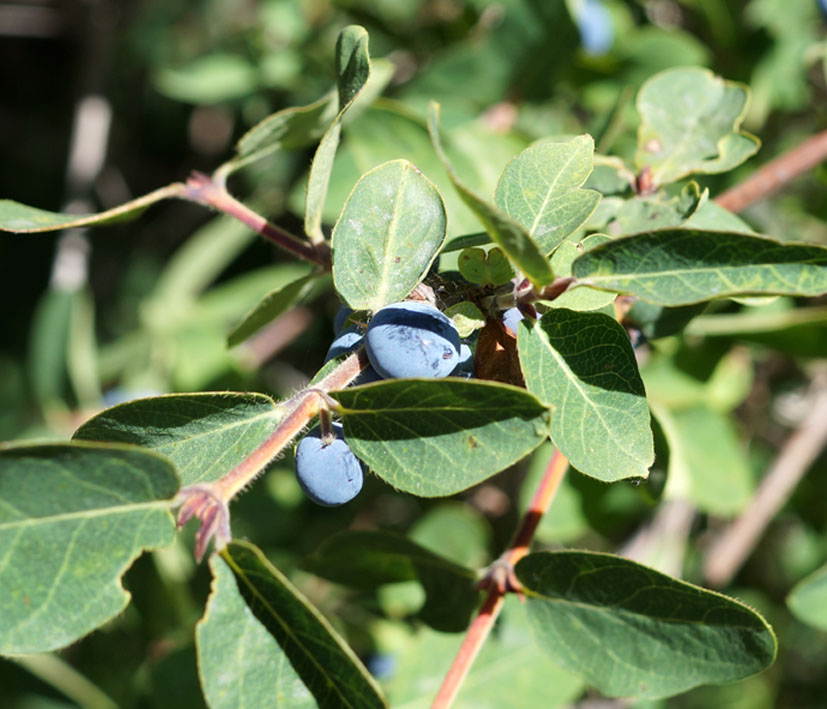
point(501, 581)
point(775, 174)
point(726, 554)
point(203, 189)
point(209, 502)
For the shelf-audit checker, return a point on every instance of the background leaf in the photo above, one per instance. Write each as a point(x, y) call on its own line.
point(583, 366)
point(662, 210)
point(684, 266)
point(808, 599)
point(323, 661)
point(18, 217)
point(689, 124)
point(509, 652)
point(353, 72)
point(205, 435)
point(288, 129)
point(239, 662)
point(270, 307)
point(707, 463)
point(72, 520)
point(631, 631)
point(541, 189)
point(434, 438)
point(577, 297)
point(366, 559)
point(390, 230)
point(504, 231)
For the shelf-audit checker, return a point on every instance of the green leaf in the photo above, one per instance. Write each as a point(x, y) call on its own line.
point(323, 661)
point(24, 219)
point(662, 210)
point(213, 78)
point(577, 297)
point(72, 520)
point(352, 62)
point(288, 129)
point(239, 662)
point(366, 560)
point(684, 266)
point(541, 189)
point(583, 366)
point(808, 599)
point(434, 438)
point(690, 122)
point(508, 671)
point(353, 72)
point(388, 235)
point(631, 631)
point(710, 216)
point(466, 317)
point(271, 306)
point(205, 435)
point(456, 531)
point(707, 463)
point(485, 268)
point(504, 231)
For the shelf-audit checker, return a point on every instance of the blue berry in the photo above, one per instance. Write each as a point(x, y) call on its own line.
point(330, 475)
point(465, 366)
point(595, 25)
point(347, 341)
point(339, 320)
point(511, 318)
point(412, 339)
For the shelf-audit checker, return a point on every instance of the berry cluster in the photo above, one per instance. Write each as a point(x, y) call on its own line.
point(407, 339)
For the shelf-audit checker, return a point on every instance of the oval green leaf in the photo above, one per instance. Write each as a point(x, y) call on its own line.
point(239, 663)
point(631, 631)
point(541, 189)
point(684, 266)
point(390, 230)
point(504, 231)
point(808, 599)
point(583, 366)
point(367, 559)
point(72, 520)
point(690, 122)
point(205, 435)
point(270, 307)
point(326, 665)
point(434, 438)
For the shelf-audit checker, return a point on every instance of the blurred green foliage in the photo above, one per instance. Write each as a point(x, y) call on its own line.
point(185, 79)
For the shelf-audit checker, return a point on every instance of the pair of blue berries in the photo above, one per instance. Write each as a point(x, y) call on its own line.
point(408, 339)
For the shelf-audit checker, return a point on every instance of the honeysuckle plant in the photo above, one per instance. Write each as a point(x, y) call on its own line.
point(599, 254)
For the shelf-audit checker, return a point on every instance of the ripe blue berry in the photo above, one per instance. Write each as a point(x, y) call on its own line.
point(347, 341)
point(595, 25)
point(330, 475)
point(511, 318)
point(339, 320)
point(465, 366)
point(412, 339)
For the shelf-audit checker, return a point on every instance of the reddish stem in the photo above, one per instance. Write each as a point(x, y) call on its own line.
point(203, 189)
point(481, 626)
point(775, 174)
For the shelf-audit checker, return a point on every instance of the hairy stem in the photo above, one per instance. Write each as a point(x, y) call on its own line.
point(501, 581)
point(210, 502)
point(775, 174)
point(203, 189)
